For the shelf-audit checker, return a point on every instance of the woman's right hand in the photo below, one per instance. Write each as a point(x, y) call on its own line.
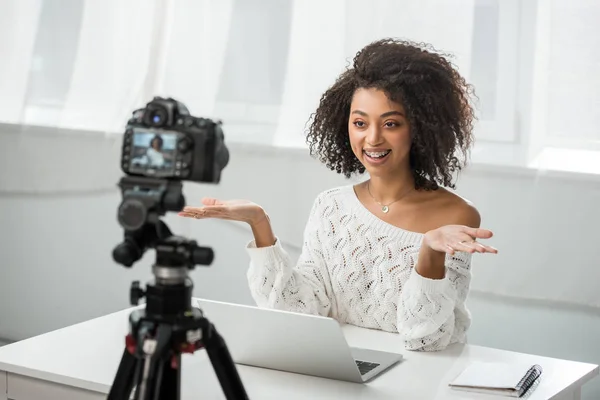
point(234, 210)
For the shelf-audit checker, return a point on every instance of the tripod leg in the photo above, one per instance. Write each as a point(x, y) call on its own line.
point(170, 380)
point(223, 364)
point(125, 378)
point(157, 367)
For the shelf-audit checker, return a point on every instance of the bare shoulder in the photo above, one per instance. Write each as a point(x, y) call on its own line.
point(460, 211)
point(456, 210)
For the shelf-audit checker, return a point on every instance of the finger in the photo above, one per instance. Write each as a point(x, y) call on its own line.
point(189, 209)
point(487, 249)
point(189, 215)
point(468, 244)
point(204, 210)
point(465, 247)
point(476, 247)
point(210, 201)
point(450, 250)
point(478, 233)
point(479, 247)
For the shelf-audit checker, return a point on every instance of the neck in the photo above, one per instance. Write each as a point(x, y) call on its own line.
point(387, 189)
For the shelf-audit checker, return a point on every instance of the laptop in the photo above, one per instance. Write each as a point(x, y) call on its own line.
point(293, 342)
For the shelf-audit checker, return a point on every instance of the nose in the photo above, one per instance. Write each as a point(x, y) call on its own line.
point(374, 135)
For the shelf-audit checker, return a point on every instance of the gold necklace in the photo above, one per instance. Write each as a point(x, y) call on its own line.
point(385, 208)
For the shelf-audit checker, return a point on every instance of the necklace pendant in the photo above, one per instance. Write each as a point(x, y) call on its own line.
point(385, 209)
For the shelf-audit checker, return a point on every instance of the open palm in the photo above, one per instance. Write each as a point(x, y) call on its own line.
point(234, 210)
point(452, 238)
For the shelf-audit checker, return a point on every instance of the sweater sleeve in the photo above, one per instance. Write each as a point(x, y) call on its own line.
point(429, 308)
point(276, 283)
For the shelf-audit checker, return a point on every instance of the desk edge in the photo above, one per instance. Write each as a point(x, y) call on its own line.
point(53, 378)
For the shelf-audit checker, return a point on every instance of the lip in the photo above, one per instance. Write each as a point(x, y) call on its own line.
point(375, 149)
point(375, 161)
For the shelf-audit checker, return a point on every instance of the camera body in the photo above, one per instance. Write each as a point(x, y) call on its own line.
point(164, 141)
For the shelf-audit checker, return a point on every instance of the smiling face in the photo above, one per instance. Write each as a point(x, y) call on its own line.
point(379, 132)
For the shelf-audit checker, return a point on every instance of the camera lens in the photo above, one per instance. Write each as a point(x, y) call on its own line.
point(222, 157)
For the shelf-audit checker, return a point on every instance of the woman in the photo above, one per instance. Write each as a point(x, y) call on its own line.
point(393, 252)
point(154, 152)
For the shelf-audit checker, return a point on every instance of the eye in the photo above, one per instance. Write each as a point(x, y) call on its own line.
point(359, 124)
point(391, 124)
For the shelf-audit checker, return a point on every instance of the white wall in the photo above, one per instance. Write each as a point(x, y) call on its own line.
point(58, 201)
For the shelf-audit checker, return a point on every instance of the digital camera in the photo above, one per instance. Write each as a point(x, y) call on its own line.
point(164, 141)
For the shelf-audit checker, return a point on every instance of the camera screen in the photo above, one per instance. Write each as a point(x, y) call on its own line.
point(153, 151)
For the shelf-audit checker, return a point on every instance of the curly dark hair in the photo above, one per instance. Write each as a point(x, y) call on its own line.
point(435, 97)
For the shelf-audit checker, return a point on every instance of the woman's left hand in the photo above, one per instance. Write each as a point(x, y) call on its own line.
point(452, 238)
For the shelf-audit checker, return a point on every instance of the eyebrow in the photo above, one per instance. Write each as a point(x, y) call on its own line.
point(386, 114)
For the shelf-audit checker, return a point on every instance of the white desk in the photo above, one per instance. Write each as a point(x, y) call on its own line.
point(79, 362)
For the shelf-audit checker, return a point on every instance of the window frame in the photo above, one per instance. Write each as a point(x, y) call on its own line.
point(504, 128)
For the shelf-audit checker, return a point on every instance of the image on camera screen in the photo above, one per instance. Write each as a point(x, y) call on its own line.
point(153, 150)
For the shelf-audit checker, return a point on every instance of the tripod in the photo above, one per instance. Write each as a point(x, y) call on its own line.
point(168, 326)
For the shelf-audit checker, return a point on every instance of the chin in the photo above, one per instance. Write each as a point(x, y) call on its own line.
point(385, 170)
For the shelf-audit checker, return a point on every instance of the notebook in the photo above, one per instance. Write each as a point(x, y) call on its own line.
point(512, 380)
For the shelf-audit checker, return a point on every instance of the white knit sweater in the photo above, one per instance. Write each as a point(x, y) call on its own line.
point(360, 270)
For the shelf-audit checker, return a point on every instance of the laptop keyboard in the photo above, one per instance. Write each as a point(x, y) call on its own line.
point(365, 367)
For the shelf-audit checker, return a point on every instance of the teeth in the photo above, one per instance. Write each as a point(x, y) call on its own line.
point(377, 154)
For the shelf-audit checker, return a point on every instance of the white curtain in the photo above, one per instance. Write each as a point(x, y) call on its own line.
point(265, 69)
point(316, 56)
point(125, 52)
point(326, 35)
point(18, 29)
point(195, 52)
point(113, 58)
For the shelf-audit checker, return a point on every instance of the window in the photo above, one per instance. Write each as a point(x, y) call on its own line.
point(566, 104)
point(74, 64)
point(262, 65)
point(479, 34)
point(493, 69)
point(19, 21)
point(228, 59)
point(53, 60)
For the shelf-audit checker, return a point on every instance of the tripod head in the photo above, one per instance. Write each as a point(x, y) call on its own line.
point(145, 200)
